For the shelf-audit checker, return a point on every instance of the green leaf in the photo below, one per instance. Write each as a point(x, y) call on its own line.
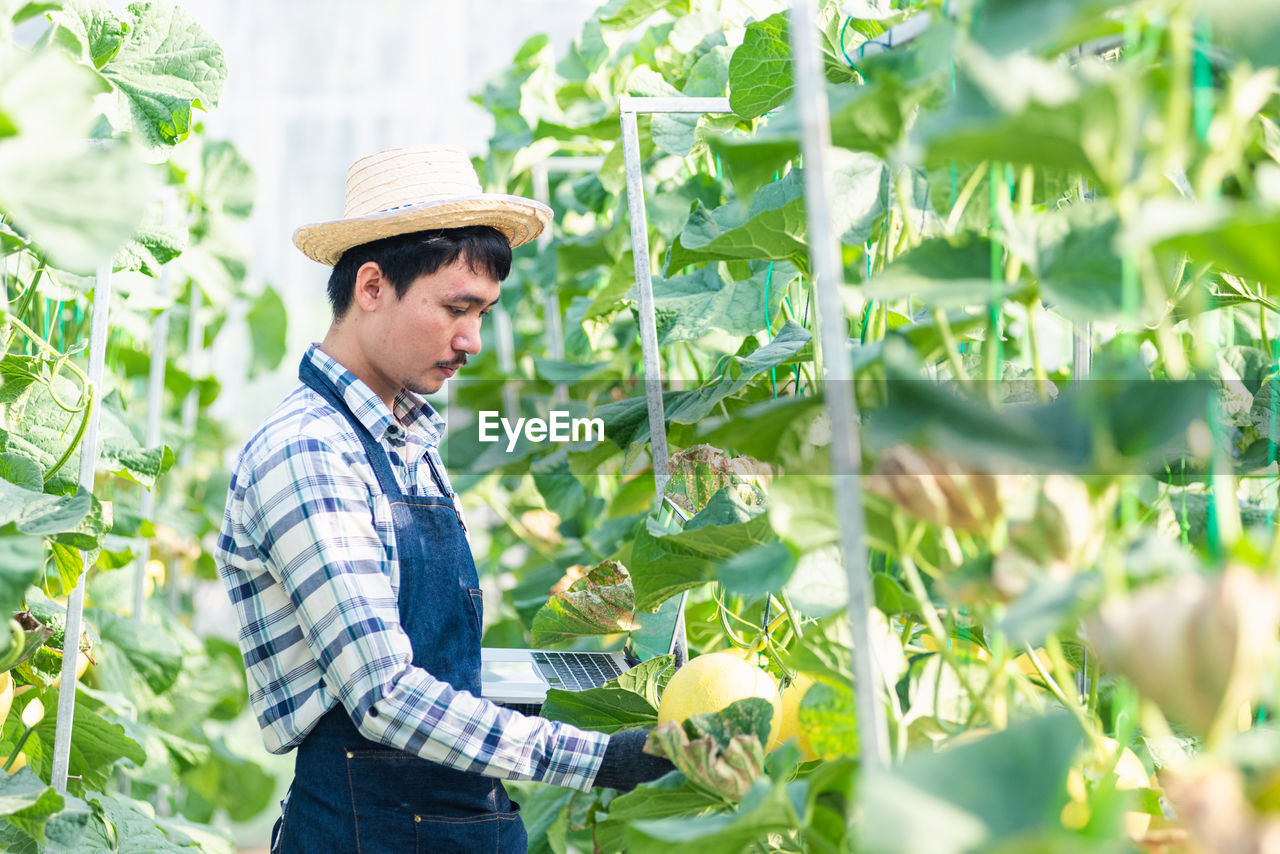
point(666, 797)
point(829, 719)
point(268, 321)
point(150, 248)
point(772, 228)
point(1003, 27)
point(601, 602)
point(688, 307)
point(1242, 241)
point(32, 512)
point(665, 563)
point(1024, 110)
point(605, 709)
point(1072, 252)
point(978, 794)
point(627, 421)
point(89, 30)
point(22, 471)
point(623, 15)
point(767, 809)
point(27, 803)
point(77, 201)
point(760, 71)
point(125, 826)
point(648, 678)
point(764, 569)
point(98, 745)
point(167, 65)
point(943, 272)
point(148, 649)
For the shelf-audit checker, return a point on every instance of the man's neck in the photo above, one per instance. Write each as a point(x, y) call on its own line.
point(336, 346)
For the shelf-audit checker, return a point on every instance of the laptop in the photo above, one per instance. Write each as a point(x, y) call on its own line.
point(519, 678)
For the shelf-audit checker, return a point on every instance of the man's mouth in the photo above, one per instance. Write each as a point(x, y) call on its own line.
point(450, 368)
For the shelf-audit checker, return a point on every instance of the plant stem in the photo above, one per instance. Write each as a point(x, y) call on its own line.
point(966, 194)
point(934, 625)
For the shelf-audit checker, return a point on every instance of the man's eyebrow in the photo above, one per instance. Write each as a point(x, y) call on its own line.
point(472, 300)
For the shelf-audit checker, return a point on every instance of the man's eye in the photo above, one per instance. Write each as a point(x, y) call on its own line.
point(457, 312)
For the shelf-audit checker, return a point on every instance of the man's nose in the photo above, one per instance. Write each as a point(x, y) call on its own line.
point(468, 340)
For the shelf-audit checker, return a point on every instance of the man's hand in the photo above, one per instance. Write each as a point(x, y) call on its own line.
point(626, 765)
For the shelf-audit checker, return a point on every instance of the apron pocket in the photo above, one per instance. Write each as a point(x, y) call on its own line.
point(499, 832)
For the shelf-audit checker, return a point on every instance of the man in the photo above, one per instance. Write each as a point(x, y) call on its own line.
point(345, 555)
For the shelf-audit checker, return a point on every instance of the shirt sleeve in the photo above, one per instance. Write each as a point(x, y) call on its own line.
point(309, 514)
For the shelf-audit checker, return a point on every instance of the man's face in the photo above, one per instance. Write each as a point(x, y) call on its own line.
point(421, 339)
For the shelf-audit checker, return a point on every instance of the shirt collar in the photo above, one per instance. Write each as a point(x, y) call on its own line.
point(413, 415)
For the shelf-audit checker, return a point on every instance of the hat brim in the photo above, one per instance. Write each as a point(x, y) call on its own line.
point(519, 219)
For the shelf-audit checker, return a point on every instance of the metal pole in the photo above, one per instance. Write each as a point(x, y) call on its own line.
point(644, 301)
point(195, 346)
point(155, 405)
point(550, 298)
point(811, 97)
point(88, 460)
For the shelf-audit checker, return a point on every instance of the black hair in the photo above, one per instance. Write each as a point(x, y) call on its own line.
point(405, 257)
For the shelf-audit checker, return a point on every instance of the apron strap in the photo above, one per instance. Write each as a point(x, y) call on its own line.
point(374, 452)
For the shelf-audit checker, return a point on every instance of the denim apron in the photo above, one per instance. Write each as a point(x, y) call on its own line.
point(350, 794)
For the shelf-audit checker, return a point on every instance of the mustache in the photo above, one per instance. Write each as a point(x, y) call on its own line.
point(457, 363)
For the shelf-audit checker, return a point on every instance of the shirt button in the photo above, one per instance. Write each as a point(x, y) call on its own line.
point(373, 713)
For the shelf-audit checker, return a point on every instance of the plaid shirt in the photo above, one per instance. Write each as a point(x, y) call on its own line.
point(308, 555)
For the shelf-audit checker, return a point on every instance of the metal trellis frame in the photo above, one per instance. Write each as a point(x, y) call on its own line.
point(630, 107)
point(846, 457)
point(99, 331)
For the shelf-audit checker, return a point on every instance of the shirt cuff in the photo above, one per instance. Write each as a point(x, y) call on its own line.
point(576, 759)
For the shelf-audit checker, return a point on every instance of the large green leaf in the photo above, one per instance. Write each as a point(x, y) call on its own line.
point(760, 71)
point(629, 701)
point(944, 272)
point(148, 648)
point(1007, 784)
point(98, 745)
point(125, 826)
point(773, 226)
point(1072, 252)
point(1021, 109)
point(77, 201)
point(769, 808)
point(1003, 27)
point(167, 65)
point(150, 248)
point(27, 803)
point(688, 307)
point(757, 571)
point(664, 563)
point(667, 797)
point(627, 421)
point(599, 603)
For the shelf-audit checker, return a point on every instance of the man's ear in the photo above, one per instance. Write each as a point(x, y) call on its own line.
point(371, 286)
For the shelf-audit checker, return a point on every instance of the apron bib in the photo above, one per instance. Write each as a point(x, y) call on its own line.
point(350, 794)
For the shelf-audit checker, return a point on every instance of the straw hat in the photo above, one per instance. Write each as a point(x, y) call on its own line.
point(403, 190)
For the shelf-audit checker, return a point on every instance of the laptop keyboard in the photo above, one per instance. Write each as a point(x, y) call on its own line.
point(575, 671)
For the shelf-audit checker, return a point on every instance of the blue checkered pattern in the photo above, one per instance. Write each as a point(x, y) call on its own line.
point(308, 555)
